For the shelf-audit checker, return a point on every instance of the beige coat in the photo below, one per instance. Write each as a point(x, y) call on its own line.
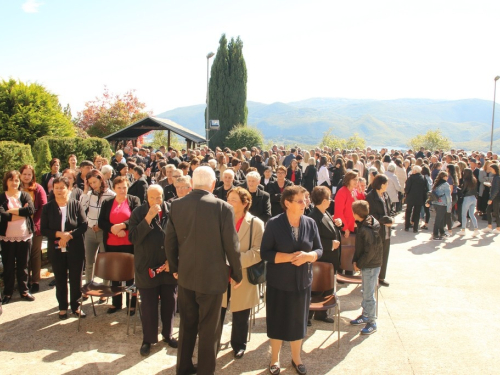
point(247, 295)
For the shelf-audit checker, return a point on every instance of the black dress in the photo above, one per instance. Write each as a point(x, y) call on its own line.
point(288, 286)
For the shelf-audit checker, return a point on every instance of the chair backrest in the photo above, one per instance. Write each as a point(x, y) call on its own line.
point(323, 277)
point(114, 266)
point(347, 249)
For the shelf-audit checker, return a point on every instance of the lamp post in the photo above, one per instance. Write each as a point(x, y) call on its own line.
point(207, 129)
point(493, 116)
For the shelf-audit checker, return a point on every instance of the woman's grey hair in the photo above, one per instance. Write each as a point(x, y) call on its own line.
point(106, 169)
point(183, 180)
point(391, 167)
point(311, 161)
point(170, 166)
point(213, 163)
point(416, 169)
point(119, 152)
point(203, 177)
point(253, 174)
point(227, 171)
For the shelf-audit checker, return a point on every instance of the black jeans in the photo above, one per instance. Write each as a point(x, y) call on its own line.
point(15, 264)
point(492, 211)
point(440, 221)
point(412, 215)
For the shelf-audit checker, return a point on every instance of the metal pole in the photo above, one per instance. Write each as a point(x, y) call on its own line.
point(208, 99)
point(493, 115)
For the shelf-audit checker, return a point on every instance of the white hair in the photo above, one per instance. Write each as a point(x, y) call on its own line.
point(170, 166)
point(155, 187)
point(391, 167)
point(416, 169)
point(203, 177)
point(119, 152)
point(106, 169)
point(253, 174)
point(212, 163)
point(227, 171)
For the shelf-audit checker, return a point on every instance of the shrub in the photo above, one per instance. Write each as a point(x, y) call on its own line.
point(243, 136)
point(13, 156)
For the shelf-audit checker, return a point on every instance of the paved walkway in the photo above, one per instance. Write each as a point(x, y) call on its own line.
point(440, 315)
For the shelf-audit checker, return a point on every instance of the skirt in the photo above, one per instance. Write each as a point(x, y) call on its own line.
point(287, 313)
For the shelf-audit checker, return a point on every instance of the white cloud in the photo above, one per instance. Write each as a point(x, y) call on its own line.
point(31, 6)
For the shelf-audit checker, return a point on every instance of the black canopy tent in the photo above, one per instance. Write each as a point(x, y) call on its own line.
point(147, 124)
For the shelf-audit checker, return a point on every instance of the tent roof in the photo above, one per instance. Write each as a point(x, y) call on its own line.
point(148, 124)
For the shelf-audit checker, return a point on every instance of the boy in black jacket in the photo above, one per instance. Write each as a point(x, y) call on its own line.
point(368, 259)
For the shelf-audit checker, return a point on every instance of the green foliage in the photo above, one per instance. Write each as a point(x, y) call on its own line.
point(242, 136)
point(334, 142)
point(110, 113)
point(61, 148)
point(432, 140)
point(160, 138)
point(13, 156)
point(29, 112)
point(228, 89)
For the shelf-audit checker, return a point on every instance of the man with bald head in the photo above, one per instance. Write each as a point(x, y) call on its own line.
point(152, 277)
point(201, 235)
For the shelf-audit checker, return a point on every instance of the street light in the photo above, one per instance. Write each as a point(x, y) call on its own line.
point(493, 116)
point(209, 56)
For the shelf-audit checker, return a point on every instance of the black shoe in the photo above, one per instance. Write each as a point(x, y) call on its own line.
point(407, 229)
point(192, 371)
point(80, 314)
point(52, 283)
point(438, 238)
point(326, 320)
point(274, 369)
point(171, 342)
point(415, 230)
point(113, 309)
point(383, 282)
point(6, 300)
point(424, 227)
point(101, 301)
point(132, 312)
point(63, 316)
point(28, 297)
point(309, 323)
point(239, 354)
point(301, 369)
point(145, 349)
point(84, 298)
point(35, 288)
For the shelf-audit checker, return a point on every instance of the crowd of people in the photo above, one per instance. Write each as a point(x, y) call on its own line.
point(289, 208)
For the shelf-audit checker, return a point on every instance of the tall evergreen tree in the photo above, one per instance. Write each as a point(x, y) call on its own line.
point(228, 89)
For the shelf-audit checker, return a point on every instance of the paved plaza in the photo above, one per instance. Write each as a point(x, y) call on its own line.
point(440, 315)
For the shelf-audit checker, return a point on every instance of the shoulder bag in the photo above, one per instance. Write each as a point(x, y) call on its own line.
point(257, 272)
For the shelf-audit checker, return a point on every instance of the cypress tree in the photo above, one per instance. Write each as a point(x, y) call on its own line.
point(228, 89)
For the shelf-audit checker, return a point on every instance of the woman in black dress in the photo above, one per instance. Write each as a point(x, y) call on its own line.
point(310, 176)
point(290, 244)
point(275, 190)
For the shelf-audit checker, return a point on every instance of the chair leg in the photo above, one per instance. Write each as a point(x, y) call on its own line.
point(128, 315)
point(138, 309)
point(79, 315)
point(338, 325)
point(93, 307)
point(252, 312)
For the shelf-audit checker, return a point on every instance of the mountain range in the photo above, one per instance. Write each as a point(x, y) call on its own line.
point(382, 123)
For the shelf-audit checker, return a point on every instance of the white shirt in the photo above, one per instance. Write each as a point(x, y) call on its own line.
point(323, 176)
point(63, 222)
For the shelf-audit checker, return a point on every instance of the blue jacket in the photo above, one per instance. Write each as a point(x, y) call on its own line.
point(278, 238)
point(444, 194)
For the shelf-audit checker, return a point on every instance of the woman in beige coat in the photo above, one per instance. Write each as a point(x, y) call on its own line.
point(246, 296)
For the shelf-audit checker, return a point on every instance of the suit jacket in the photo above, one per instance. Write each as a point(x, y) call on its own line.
point(247, 295)
point(275, 194)
point(27, 212)
point(221, 193)
point(148, 241)
point(139, 188)
point(169, 192)
point(416, 190)
point(262, 181)
point(328, 232)
point(278, 238)
point(201, 235)
point(261, 205)
point(103, 221)
point(76, 223)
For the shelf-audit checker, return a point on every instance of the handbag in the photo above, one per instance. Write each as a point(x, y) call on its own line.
point(256, 273)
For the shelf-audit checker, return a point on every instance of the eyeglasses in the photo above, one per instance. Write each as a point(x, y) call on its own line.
point(301, 201)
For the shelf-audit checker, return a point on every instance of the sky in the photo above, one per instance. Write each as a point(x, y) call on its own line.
point(294, 50)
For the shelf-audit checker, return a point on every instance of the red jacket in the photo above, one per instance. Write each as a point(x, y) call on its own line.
point(343, 208)
point(40, 200)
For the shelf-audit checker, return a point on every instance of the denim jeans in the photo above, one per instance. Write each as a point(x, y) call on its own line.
point(469, 205)
point(369, 279)
point(440, 220)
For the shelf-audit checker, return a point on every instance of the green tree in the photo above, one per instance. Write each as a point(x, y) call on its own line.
point(355, 141)
point(243, 136)
point(110, 113)
point(228, 89)
point(160, 138)
point(332, 141)
point(30, 111)
point(432, 140)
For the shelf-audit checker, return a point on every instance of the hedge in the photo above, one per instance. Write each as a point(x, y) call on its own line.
point(14, 155)
point(49, 147)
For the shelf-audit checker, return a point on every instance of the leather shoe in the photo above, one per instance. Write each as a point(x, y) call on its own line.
point(192, 371)
point(274, 369)
point(113, 309)
point(383, 282)
point(132, 312)
point(173, 343)
point(63, 316)
point(326, 320)
point(239, 354)
point(52, 283)
point(301, 369)
point(101, 301)
point(145, 349)
point(80, 314)
point(28, 297)
point(6, 300)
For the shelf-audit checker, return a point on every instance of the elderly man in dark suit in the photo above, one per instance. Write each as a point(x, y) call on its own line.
point(200, 239)
point(416, 194)
point(261, 201)
point(147, 232)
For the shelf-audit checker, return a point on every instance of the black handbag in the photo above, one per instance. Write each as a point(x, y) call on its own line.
point(256, 273)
